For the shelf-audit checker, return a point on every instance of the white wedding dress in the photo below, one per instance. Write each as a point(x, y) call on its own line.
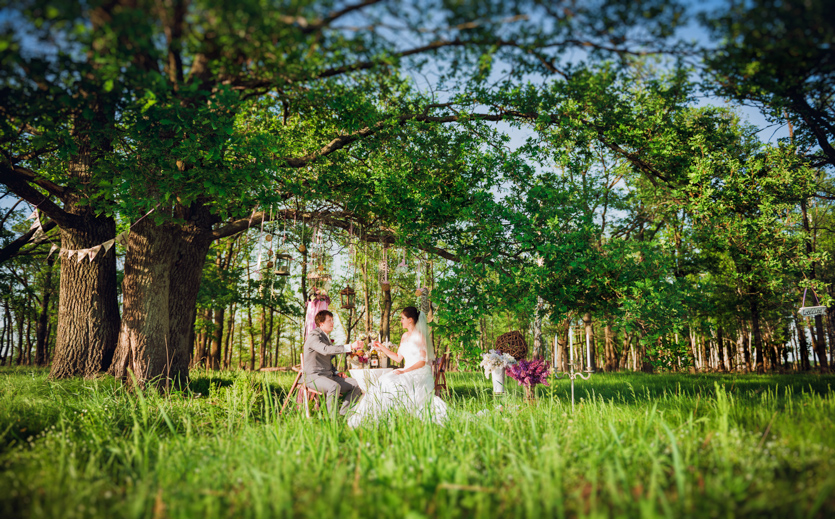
point(412, 392)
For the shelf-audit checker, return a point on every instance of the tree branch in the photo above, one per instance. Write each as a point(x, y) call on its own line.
point(18, 182)
point(11, 250)
point(345, 140)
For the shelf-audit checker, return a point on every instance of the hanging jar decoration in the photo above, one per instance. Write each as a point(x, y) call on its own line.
point(268, 238)
point(283, 264)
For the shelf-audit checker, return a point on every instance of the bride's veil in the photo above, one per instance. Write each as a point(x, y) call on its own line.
point(423, 325)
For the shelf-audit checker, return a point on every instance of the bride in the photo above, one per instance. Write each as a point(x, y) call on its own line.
point(411, 389)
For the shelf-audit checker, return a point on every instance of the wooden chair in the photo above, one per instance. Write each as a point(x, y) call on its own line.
point(304, 395)
point(439, 367)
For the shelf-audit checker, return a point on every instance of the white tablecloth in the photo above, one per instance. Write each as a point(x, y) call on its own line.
point(367, 377)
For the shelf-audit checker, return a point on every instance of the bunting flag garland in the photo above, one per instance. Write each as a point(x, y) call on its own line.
point(92, 252)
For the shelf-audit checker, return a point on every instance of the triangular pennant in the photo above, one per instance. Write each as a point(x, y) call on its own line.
point(70, 253)
point(82, 254)
point(107, 245)
point(33, 215)
point(53, 249)
point(94, 251)
point(38, 235)
point(122, 239)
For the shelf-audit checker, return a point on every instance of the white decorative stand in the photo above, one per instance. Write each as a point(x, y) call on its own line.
point(498, 380)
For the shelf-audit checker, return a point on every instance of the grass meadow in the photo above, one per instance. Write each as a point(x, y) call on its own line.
point(635, 446)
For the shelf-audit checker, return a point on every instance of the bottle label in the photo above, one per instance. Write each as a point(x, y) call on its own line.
point(375, 363)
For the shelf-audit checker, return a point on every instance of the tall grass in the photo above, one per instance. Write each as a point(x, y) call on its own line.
point(636, 445)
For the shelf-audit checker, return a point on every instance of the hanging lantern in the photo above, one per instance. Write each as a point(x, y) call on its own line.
point(347, 295)
point(283, 264)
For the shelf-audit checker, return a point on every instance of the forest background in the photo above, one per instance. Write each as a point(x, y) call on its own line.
point(210, 138)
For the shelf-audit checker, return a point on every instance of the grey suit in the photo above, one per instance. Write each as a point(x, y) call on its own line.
point(319, 373)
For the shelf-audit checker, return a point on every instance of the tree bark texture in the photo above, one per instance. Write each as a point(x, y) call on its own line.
point(163, 270)
point(88, 311)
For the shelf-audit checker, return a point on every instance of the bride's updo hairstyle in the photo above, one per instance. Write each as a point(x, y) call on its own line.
point(410, 312)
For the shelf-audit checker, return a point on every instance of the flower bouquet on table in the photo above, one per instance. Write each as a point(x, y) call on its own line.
point(358, 358)
point(529, 373)
point(494, 363)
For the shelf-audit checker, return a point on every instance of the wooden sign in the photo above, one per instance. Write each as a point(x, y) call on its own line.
point(811, 311)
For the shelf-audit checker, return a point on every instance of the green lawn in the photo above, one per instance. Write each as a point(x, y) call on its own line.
point(636, 446)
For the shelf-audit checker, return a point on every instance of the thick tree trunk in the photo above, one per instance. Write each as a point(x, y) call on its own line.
point(145, 351)
point(186, 274)
point(163, 270)
point(43, 316)
point(88, 311)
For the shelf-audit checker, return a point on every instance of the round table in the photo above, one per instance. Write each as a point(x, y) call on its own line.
point(368, 377)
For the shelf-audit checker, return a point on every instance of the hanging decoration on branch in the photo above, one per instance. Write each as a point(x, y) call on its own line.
point(811, 311)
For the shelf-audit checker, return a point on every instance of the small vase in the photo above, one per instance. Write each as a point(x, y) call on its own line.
point(498, 380)
point(530, 394)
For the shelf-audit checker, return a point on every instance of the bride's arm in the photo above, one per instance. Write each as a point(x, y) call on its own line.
point(418, 341)
point(396, 357)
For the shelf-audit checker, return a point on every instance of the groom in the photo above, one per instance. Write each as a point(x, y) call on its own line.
point(319, 373)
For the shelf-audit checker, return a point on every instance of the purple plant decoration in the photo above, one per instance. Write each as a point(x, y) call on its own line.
point(530, 372)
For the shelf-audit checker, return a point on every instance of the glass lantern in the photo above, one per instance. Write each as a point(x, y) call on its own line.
point(347, 295)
